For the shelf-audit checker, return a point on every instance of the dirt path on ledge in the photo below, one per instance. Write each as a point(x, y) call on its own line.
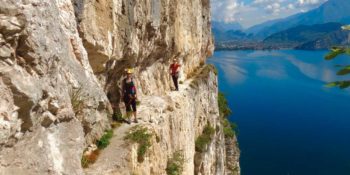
point(114, 158)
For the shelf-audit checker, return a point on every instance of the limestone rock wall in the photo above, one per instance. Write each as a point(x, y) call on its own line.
point(144, 35)
point(177, 120)
point(42, 59)
point(61, 65)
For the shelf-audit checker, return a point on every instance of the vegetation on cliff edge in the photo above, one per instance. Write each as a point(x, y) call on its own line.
point(175, 164)
point(229, 128)
point(142, 137)
point(103, 142)
point(205, 138)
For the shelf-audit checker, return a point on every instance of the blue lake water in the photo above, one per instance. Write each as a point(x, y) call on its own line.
point(289, 122)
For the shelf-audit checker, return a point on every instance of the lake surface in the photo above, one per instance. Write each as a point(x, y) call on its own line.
point(289, 122)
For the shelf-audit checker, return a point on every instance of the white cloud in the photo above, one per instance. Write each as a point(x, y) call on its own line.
point(308, 3)
point(228, 10)
point(258, 11)
point(273, 8)
point(312, 2)
point(291, 6)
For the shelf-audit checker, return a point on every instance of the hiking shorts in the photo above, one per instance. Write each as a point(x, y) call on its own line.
point(130, 105)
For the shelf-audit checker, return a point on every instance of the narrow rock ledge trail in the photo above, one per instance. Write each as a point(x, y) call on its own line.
point(117, 155)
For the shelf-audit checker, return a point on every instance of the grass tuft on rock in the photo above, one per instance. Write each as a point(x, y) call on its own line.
point(91, 158)
point(103, 142)
point(175, 164)
point(205, 138)
point(77, 98)
point(142, 137)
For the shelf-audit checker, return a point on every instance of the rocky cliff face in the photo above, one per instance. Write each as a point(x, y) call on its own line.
point(61, 65)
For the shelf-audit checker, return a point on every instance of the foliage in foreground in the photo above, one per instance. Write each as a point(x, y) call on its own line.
point(142, 137)
point(345, 70)
point(175, 164)
point(205, 138)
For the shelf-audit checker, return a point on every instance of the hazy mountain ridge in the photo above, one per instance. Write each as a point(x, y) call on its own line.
point(223, 26)
point(301, 34)
point(305, 37)
point(309, 30)
point(336, 38)
point(330, 11)
point(230, 35)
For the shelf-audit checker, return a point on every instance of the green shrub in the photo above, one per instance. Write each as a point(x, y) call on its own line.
point(175, 164)
point(140, 136)
point(205, 138)
point(104, 140)
point(224, 109)
point(229, 128)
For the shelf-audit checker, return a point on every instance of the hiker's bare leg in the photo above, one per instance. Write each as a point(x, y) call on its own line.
point(128, 116)
point(135, 117)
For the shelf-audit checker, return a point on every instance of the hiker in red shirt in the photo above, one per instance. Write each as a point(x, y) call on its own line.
point(174, 72)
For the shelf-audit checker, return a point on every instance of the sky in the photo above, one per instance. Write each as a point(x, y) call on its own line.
point(251, 12)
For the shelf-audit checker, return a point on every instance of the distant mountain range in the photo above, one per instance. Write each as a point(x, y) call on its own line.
point(336, 38)
point(317, 29)
point(223, 26)
point(297, 37)
point(330, 11)
point(230, 35)
point(306, 37)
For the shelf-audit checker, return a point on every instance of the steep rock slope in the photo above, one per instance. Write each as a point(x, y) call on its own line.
point(61, 63)
point(176, 119)
point(145, 35)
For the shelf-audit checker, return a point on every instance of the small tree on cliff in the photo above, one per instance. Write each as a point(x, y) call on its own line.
point(345, 70)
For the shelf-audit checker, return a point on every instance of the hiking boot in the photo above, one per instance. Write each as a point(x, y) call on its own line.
point(136, 121)
point(128, 121)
